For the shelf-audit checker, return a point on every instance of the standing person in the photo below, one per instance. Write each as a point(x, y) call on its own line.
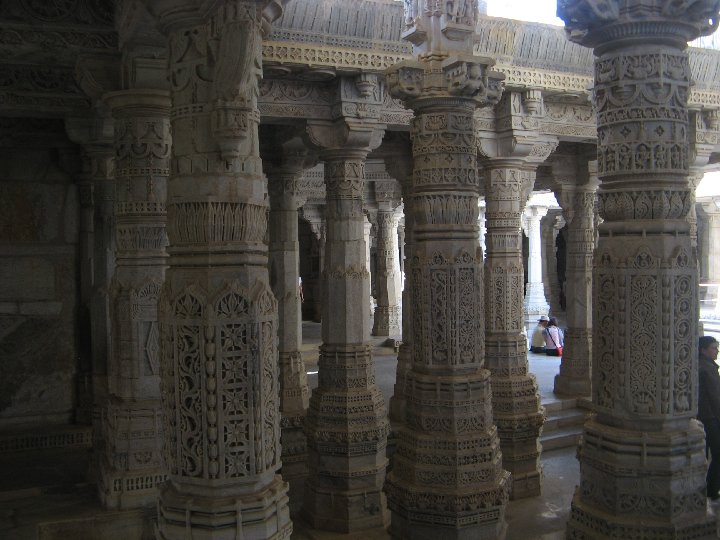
point(537, 341)
point(553, 338)
point(709, 409)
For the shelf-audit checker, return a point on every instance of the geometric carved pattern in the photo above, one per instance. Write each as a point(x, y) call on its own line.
point(217, 425)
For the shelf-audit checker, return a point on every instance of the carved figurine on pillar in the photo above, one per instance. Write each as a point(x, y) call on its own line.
point(644, 373)
point(437, 486)
point(218, 315)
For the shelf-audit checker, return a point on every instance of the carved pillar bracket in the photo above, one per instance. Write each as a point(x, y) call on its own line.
point(576, 193)
point(132, 467)
point(644, 373)
point(438, 487)
point(346, 425)
point(284, 162)
point(218, 315)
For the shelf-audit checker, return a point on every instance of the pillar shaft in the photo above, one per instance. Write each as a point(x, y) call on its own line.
point(438, 486)
point(516, 401)
point(133, 466)
point(574, 377)
point(218, 315)
point(535, 303)
point(284, 259)
point(644, 374)
point(346, 424)
point(387, 281)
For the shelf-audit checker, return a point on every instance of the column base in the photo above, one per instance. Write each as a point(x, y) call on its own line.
point(570, 387)
point(127, 490)
point(641, 484)
point(526, 485)
point(589, 524)
point(131, 467)
point(255, 516)
point(294, 460)
point(386, 321)
point(418, 514)
point(344, 511)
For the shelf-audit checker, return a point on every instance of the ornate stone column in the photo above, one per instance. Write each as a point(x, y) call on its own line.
point(642, 456)
point(367, 236)
point(482, 230)
point(132, 467)
point(400, 167)
point(95, 135)
point(711, 211)
point(314, 215)
point(286, 197)
point(550, 226)
point(447, 480)
point(346, 424)
point(535, 303)
point(516, 402)
point(387, 283)
point(218, 315)
point(579, 199)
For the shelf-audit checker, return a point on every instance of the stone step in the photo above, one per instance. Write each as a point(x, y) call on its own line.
point(564, 419)
point(561, 438)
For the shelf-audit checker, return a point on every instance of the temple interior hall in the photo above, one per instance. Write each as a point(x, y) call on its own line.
point(270, 269)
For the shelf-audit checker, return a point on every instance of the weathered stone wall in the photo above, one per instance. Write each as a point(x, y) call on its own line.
point(38, 252)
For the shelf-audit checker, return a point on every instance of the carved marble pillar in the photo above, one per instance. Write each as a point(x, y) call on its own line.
point(367, 236)
point(218, 314)
point(642, 455)
point(314, 215)
point(574, 378)
point(346, 426)
point(400, 166)
point(132, 467)
point(97, 175)
point(711, 210)
point(550, 226)
point(387, 283)
point(535, 303)
point(482, 230)
point(284, 258)
point(516, 402)
point(447, 480)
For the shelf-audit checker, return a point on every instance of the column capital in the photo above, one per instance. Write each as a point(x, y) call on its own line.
point(617, 24)
point(138, 102)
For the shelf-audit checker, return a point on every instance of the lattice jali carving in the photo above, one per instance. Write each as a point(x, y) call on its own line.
point(644, 309)
point(219, 381)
